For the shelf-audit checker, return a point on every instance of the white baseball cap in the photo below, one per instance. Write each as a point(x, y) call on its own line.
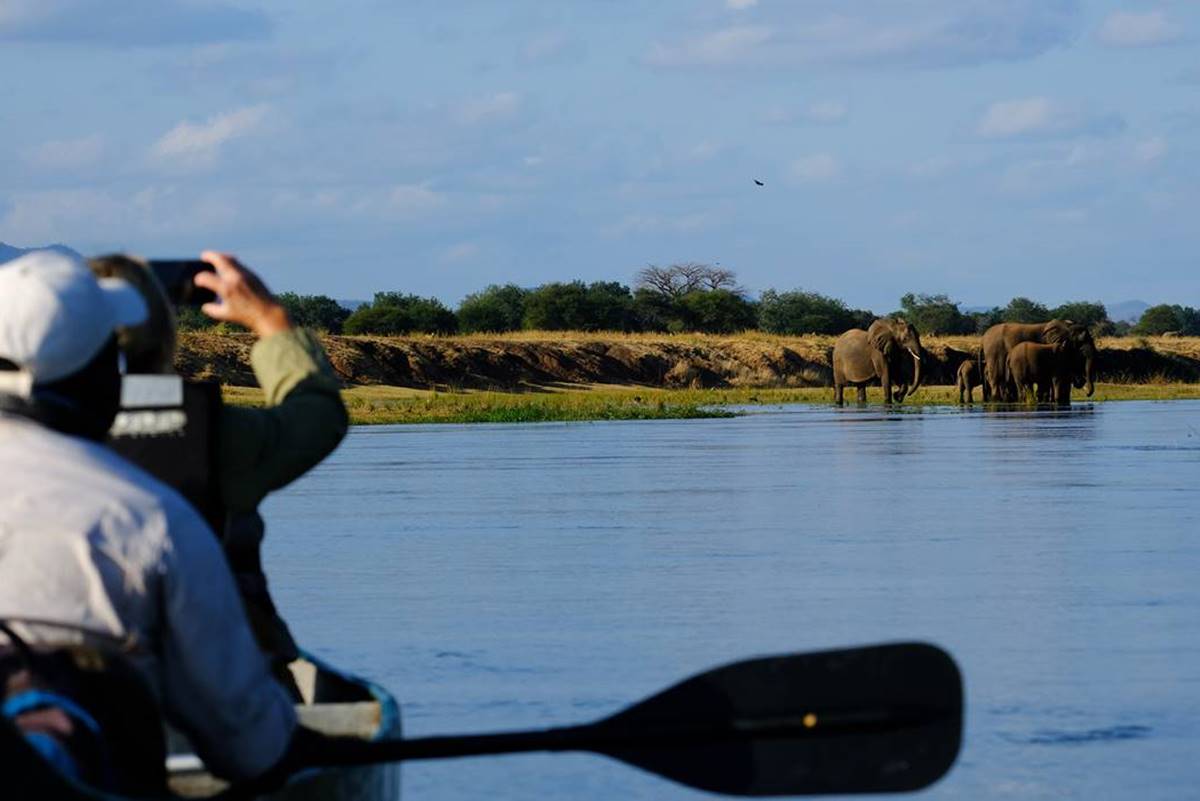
point(55, 316)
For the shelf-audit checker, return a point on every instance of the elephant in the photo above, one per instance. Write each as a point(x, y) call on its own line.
point(1048, 367)
point(1000, 339)
point(970, 375)
point(860, 357)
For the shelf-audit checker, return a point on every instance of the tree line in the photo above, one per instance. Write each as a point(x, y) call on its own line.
point(683, 297)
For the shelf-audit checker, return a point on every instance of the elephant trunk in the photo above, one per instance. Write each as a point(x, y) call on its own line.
point(916, 372)
point(1089, 370)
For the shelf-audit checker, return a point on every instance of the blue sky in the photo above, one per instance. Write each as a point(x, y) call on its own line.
point(980, 148)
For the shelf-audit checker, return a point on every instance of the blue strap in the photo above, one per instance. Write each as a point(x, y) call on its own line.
point(29, 700)
point(53, 751)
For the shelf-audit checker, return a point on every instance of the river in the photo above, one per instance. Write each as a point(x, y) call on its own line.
point(508, 576)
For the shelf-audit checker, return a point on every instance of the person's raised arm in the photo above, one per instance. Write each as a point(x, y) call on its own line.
point(260, 450)
point(242, 297)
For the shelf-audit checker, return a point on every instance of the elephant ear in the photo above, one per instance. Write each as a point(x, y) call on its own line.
point(881, 337)
point(1054, 332)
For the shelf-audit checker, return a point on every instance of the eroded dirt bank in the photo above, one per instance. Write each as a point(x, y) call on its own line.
point(691, 361)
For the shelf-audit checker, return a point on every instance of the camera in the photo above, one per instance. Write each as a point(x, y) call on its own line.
point(177, 277)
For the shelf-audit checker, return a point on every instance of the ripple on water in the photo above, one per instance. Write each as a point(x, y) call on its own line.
point(1105, 734)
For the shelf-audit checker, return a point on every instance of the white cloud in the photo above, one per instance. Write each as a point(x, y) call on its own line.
point(198, 144)
point(654, 223)
point(725, 46)
point(1041, 117)
point(72, 215)
point(1131, 29)
point(826, 112)
point(703, 151)
point(1068, 216)
point(498, 106)
point(412, 200)
point(820, 112)
point(934, 167)
point(1017, 117)
point(1151, 150)
point(930, 33)
point(67, 154)
point(1073, 168)
point(550, 47)
point(460, 252)
point(816, 168)
point(740, 5)
point(399, 203)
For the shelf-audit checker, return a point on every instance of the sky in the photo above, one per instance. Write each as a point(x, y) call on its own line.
point(979, 148)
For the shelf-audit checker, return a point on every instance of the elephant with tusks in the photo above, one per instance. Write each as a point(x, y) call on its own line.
point(881, 353)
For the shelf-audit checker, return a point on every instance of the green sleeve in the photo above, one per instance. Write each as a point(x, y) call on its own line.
point(260, 450)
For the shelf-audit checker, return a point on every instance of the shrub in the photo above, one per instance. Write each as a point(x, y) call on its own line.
point(190, 318)
point(1164, 318)
point(981, 321)
point(717, 311)
point(575, 306)
point(314, 311)
point(1024, 310)
point(396, 313)
point(1091, 314)
point(497, 308)
point(935, 314)
point(654, 311)
point(800, 312)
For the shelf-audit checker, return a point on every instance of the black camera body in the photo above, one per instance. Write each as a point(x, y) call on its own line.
point(177, 277)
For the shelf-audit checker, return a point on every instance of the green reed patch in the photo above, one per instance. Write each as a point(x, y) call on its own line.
point(373, 405)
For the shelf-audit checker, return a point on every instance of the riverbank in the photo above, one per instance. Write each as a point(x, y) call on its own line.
point(539, 360)
point(545, 376)
point(376, 405)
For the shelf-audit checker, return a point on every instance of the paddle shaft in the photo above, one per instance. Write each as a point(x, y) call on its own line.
point(599, 738)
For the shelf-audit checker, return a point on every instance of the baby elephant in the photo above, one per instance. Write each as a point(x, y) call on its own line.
point(1047, 367)
point(969, 377)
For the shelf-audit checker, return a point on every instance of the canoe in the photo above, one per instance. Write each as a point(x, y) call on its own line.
point(335, 702)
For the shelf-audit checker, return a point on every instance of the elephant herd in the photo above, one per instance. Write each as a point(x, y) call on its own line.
point(1017, 361)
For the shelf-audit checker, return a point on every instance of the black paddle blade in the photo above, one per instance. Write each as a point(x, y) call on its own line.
point(865, 720)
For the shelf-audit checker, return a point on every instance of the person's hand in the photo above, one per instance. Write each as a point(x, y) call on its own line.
point(243, 298)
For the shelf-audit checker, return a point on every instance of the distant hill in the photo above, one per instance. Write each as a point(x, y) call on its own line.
point(10, 252)
point(1128, 310)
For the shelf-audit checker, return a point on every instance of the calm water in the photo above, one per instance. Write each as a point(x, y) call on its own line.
point(510, 576)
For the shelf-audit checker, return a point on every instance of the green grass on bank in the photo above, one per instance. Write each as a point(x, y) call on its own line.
point(372, 405)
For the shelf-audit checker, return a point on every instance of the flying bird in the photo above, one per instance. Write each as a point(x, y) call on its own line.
point(758, 182)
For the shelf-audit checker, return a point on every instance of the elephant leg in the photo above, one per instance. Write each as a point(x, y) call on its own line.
point(970, 395)
point(839, 394)
point(885, 381)
point(862, 394)
point(1062, 392)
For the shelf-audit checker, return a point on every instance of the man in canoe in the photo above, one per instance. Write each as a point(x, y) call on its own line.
point(255, 451)
point(97, 557)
